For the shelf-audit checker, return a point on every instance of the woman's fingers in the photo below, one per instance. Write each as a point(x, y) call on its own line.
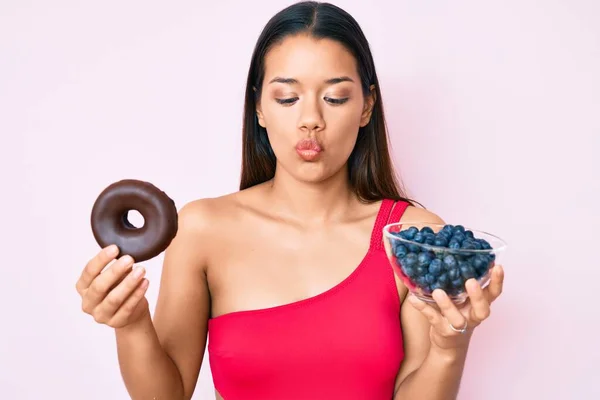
point(496, 285)
point(449, 319)
point(480, 306)
point(448, 309)
point(102, 284)
point(434, 317)
point(122, 316)
point(94, 266)
point(118, 296)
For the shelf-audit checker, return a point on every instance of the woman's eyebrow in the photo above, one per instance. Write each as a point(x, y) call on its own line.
point(293, 81)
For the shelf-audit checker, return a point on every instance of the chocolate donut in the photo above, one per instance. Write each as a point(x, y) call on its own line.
point(111, 226)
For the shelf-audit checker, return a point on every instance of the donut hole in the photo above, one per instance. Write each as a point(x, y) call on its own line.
point(133, 219)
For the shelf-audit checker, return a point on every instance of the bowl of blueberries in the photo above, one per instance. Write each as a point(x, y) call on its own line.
point(428, 256)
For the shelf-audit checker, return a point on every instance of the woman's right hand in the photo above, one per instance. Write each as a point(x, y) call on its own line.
point(115, 296)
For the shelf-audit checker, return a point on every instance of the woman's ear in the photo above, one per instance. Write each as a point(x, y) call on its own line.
point(259, 114)
point(370, 100)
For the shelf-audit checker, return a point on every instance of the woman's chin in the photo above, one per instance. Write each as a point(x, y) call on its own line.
point(315, 173)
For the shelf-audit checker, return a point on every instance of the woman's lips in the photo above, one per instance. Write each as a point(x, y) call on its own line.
point(308, 149)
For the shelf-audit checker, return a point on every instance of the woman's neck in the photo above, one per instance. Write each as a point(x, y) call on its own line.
point(311, 202)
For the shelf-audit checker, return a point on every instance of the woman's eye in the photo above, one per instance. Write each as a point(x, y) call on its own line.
point(330, 100)
point(336, 101)
point(286, 101)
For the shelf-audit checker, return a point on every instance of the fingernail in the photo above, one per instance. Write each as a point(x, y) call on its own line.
point(126, 260)
point(111, 250)
point(137, 272)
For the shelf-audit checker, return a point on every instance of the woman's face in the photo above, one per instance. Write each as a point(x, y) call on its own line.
point(312, 106)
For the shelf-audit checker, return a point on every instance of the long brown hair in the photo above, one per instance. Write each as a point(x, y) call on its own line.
point(370, 167)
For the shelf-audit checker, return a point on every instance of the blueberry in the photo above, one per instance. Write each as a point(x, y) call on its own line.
point(400, 250)
point(410, 233)
point(479, 273)
point(472, 244)
point(459, 237)
point(469, 234)
point(436, 285)
point(420, 281)
point(454, 244)
point(461, 256)
point(454, 273)
point(426, 230)
point(448, 228)
point(479, 262)
point(458, 228)
point(457, 283)
point(484, 244)
point(468, 244)
point(413, 248)
point(482, 264)
point(435, 267)
point(450, 261)
point(468, 257)
point(409, 271)
point(430, 278)
point(410, 260)
point(467, 271)
point(441, 241)
point(419, 237)
point(443, 280)
point(430, 238)
point(425, 258)
point(421, 270)
point(445, 234)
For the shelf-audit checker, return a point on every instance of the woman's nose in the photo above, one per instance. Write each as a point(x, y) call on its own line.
point(311, 117)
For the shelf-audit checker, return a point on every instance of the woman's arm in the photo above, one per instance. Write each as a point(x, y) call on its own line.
point(427, 371)
point(161, 360)
point(435, 354)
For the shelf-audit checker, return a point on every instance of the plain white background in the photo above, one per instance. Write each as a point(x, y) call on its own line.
point(494, 113)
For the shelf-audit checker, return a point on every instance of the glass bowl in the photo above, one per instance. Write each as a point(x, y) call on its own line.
point(429, 256)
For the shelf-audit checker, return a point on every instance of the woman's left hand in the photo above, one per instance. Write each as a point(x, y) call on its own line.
point(451, 325)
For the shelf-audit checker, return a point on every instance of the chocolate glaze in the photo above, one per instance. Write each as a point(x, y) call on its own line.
point(110, 224)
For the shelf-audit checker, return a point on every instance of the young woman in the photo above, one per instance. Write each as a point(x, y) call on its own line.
point(287, 280)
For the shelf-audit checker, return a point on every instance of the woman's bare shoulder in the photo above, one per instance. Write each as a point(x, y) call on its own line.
point(208, 214)
point(416, 214)
point(198, 212)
